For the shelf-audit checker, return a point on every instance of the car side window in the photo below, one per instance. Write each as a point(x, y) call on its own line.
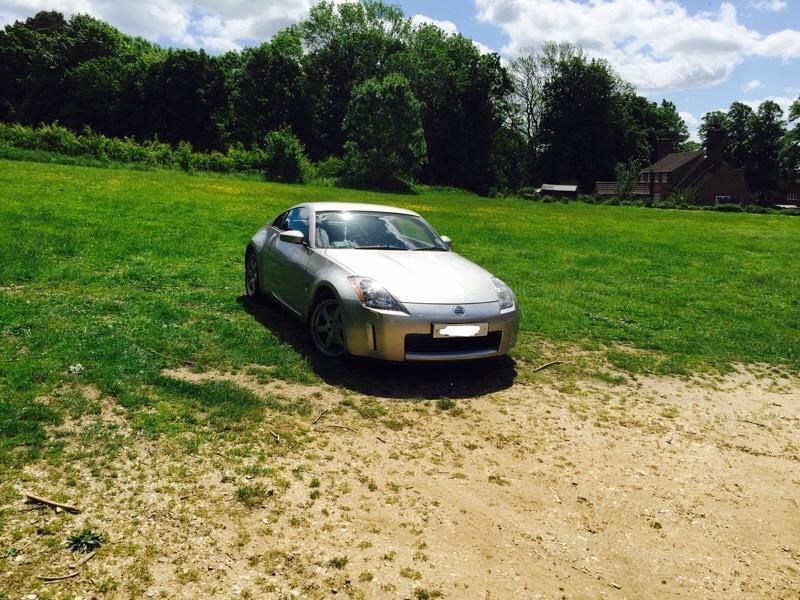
point(297, 220)
point(280, 221)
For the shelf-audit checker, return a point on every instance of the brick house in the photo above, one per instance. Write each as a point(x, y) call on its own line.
point(704, 172)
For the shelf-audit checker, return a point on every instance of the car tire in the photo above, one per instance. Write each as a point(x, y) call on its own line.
point(326, 327)
point(252, 282)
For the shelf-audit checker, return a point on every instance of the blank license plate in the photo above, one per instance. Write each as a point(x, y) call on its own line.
point(450, 330)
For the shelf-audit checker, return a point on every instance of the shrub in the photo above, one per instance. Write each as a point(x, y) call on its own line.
point(728, 208)
point(385, 140)
point(330, 168)
point(185, 156)
point(683, 197)
point(286, 158)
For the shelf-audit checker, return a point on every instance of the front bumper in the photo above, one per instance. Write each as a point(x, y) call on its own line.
point(383, 334)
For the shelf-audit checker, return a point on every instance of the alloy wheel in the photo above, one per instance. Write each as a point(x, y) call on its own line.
point(327, 329)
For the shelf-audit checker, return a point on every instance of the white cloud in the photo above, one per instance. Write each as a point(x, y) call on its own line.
point(781, 101)
point(447, 26)
point(657, 45)
point(216, 25)
point(692, 124)
point(751, 85)
point(772, 5)
point(482, 48)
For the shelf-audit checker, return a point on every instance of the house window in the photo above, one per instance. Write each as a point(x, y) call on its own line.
point(666, 178)
point(723, 199)
point(793, 197)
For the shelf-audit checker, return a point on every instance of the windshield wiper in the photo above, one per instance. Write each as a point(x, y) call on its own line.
point(384, 247)
point(429, 248)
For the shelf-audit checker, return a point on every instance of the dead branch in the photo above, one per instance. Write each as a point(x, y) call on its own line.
point(380, 439)
point(55, 578)
point(597, 576)
point(31, 499)
point(82, 561)
point(342, 427)
point(546, 365)
point(322, 414)
point(552, 491)
point(753, 422)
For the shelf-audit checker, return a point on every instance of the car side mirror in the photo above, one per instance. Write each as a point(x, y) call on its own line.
point(447, 240)
point(292, 236)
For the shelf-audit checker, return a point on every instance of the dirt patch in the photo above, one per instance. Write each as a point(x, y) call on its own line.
point(667, 487)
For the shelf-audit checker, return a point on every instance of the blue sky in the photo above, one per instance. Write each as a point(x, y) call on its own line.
point(701, 54)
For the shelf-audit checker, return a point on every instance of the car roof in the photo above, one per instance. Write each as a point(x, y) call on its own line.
point(355, 206)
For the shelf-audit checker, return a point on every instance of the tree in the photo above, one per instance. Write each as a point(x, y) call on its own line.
point(578, 135)
point(464, 94)
point(768, 129)
point(530, 71)
point(184, 97)
point(268, 89)
point(627, 176)
point(346, 44)
point(717, 119)
point(385, 140)
point(790, 146)
point(671, 125)
point(740, 124)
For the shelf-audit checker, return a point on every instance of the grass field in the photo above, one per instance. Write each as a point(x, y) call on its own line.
point(212, 452)
point(125, 272)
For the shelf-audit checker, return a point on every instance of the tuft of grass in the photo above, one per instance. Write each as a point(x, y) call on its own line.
point(251, 495)
point(410, 573)
point(85, 540)
point(445, 403)
point(365, 576)
point(338, 562)
point(497, 480)
point(423, 594)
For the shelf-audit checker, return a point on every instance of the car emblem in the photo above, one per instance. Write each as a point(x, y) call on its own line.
point(459, 310)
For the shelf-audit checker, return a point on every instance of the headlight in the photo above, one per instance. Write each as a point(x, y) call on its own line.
point(372, 295)
point(503, 294)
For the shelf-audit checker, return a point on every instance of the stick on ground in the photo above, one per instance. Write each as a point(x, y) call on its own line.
point(55, 578)
point(597, 576)
point(342, 427)
point(550, 364)
point(30, 498)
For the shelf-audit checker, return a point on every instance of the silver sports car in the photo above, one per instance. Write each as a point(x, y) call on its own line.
point(378, 281)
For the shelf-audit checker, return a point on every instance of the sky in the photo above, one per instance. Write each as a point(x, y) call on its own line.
point(700, 54)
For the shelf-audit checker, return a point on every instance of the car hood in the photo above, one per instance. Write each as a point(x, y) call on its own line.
point(425, 277)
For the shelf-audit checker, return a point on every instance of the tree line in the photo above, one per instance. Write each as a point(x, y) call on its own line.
point(760, 141)
point(355, 87)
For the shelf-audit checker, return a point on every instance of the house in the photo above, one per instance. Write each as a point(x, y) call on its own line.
point(788, 196)
point(558, 190)
point(702, 172)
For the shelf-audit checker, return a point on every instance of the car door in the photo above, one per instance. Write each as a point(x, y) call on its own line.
point(287, 263)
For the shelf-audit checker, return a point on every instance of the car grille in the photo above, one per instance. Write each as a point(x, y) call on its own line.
point(422, 342)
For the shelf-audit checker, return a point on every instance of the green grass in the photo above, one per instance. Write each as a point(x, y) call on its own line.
point(128, 271)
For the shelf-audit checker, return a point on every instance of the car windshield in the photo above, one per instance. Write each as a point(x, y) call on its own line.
point(362, 230)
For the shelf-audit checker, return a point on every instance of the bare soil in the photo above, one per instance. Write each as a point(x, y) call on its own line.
point(659, 487)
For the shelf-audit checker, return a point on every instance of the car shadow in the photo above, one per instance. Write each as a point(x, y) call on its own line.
point(387, 379)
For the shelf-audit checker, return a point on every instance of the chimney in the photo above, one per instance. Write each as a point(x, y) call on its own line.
point(715, 146)
point(663, 147)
